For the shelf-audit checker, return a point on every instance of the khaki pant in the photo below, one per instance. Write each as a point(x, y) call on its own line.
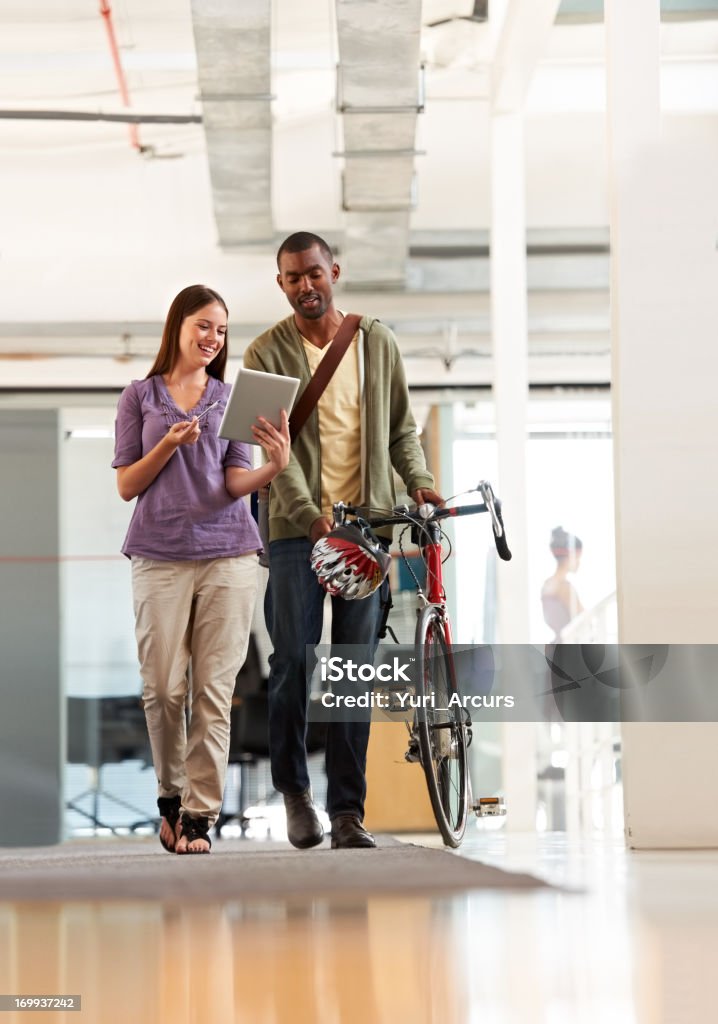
point(199, 611)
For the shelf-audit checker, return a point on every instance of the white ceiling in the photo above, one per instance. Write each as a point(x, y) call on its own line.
point(93, 233)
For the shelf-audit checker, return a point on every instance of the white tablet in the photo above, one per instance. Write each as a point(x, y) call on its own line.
point(254, 394)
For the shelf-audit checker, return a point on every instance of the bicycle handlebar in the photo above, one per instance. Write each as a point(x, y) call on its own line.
point(427, 514)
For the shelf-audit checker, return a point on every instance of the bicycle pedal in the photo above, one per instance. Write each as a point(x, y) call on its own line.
point(413, 754)
point(489, 807)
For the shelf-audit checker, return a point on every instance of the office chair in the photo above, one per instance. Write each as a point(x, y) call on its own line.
point(101, 731)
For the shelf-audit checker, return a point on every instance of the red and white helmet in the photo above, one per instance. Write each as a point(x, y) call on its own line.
point(350, 562)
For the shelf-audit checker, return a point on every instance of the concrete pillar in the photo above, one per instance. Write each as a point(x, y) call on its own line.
point(510, 352)
point(664, 308)
point(32, 708)
point(509, 329)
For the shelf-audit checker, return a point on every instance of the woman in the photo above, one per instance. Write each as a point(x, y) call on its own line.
point(194, 549)
point(558, 595)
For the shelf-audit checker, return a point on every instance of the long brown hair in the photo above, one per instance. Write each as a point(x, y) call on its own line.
point(183, 305)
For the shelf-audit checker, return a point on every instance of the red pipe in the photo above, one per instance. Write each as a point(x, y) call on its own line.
point(106, 12)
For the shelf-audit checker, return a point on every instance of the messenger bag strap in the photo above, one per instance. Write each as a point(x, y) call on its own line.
point(323, 374)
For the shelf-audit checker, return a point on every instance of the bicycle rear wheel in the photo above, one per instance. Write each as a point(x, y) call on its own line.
point(441, 726)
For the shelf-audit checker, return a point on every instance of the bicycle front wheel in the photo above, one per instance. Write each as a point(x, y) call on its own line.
point(441, 725)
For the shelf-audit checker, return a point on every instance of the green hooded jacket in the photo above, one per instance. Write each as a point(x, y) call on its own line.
point(389, 436)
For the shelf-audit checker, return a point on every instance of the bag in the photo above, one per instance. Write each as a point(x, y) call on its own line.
point(323, 374)
point(300, 414)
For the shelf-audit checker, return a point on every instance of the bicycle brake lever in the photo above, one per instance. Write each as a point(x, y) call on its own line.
point(486, 491)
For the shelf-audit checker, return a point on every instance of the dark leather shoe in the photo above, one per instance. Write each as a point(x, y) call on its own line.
point(348, 833)
point(304, 828)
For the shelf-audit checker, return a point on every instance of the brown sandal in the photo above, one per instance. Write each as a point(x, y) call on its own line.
point(195, 828)
point(169, 808)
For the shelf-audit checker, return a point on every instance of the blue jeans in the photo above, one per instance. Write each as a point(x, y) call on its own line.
point(294, 613)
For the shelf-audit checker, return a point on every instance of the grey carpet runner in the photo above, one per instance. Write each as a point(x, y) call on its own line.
point(138, 869)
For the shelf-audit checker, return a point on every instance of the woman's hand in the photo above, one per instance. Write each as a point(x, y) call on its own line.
point(239, 481)
point(186, 432)
point(137, 477)
point(276, 443)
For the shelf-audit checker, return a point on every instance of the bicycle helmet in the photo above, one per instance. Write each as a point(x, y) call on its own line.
point(350, 562)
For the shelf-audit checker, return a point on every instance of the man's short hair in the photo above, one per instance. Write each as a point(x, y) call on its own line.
point(300, 241)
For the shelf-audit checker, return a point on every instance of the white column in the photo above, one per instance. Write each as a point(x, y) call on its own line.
point(510, 352)
point(519, 33)
point(664, 303)
point(509, 330)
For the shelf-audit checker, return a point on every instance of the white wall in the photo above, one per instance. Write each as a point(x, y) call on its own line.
point(666, 414)
point(666, 424)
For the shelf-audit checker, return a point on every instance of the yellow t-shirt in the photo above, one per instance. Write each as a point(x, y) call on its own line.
point(339, 427)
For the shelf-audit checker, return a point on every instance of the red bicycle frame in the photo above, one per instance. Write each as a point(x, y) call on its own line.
point(435, 593)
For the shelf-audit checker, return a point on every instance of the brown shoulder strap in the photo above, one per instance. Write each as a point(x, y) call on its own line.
point(324, 372)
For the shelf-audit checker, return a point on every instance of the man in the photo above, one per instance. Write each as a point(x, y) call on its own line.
point(361, 427)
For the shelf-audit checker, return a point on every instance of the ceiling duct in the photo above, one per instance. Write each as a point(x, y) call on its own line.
point(379, 93)
point(233, 62)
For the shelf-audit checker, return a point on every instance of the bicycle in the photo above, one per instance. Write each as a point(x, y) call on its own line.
point(440, 733)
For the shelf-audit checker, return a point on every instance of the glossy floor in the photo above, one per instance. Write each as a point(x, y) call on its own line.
point(624, 937)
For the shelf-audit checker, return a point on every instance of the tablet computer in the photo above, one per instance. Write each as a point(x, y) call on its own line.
point(254, 394)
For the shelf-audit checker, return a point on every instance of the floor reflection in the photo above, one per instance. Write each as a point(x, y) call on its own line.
point(622, 938)
point(322, 961)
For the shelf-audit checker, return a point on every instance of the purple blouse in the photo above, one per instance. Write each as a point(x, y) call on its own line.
point(186, 513)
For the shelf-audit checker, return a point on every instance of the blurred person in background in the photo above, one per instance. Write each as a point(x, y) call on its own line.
point(559, 598)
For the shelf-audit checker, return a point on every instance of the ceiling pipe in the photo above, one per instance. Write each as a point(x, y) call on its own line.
point(95, 115)
point(106, 12)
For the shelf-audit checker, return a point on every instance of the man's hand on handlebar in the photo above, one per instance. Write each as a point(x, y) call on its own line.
point(425, 496)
